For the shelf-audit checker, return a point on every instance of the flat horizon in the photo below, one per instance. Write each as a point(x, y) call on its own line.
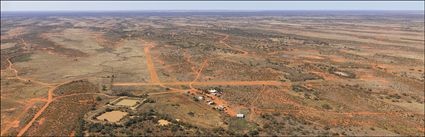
point(207, 5)
point(194, 10)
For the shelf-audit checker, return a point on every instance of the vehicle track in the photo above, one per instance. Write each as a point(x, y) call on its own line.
point(25, 79)
point(227, 45)
point(198, 74)
point(49, 101)
point(19, 116)
point(31, 101)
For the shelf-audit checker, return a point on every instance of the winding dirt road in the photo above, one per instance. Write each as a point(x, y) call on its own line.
point(31, 101)
point(49, 100)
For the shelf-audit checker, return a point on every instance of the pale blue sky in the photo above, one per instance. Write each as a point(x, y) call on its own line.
point(208, 5)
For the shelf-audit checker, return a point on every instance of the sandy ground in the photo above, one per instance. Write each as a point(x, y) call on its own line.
point(127, 102)
point(113, 116)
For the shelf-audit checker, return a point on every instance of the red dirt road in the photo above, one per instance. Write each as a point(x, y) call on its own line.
point(49, 100)
point(232, 83)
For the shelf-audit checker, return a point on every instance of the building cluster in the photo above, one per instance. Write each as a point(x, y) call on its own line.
point(209, 97)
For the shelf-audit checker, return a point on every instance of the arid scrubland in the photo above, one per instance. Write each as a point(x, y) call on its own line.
point(233, 74)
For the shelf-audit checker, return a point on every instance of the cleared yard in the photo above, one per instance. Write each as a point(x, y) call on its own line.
point(113, 116)
point(127, 102)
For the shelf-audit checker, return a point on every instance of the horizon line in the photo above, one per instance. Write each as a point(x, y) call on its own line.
point(215, 10)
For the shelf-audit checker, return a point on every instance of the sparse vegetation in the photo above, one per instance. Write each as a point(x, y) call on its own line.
point(290, 73)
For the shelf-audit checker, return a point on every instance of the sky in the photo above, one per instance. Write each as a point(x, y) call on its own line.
point(207, 5)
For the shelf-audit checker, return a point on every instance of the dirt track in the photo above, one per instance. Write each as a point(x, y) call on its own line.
point(50, 100)
point(227, 45)
point(198, 73)
point(16, 120)
point(31, 101)
point(233, 83)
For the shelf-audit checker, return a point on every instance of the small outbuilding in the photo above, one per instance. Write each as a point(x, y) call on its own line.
point(240, 115)
point(210, 102)
point(212, 91)
point(220, 107)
